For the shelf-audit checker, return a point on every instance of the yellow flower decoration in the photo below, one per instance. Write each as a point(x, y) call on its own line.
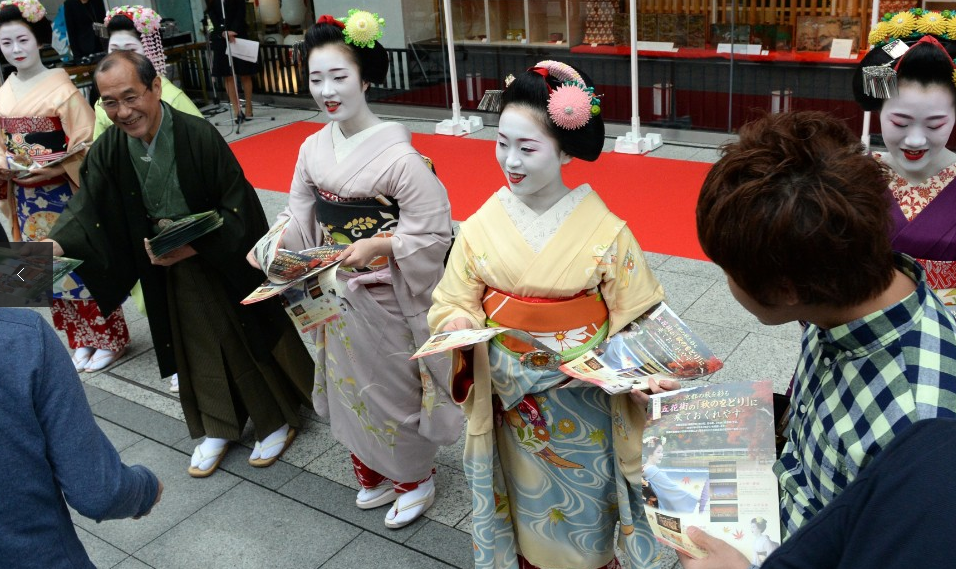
point(951, 27)
point(879, 34)
point(362, 28)
point(954, 76)
point(567, 426)
point(931, 23)
point(902, 24)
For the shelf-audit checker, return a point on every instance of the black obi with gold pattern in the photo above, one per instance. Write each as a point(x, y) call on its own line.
point(346, 220)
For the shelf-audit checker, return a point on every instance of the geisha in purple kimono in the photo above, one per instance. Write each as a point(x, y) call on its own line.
point(358, 181)
point(916, 123)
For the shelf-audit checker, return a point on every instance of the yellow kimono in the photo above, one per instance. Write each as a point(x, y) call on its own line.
point(552, 470)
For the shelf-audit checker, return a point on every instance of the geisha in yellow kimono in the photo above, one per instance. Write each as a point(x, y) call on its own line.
point(553, 471)
point(43, 116)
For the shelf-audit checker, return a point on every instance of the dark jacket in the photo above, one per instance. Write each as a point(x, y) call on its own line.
point(105, 223)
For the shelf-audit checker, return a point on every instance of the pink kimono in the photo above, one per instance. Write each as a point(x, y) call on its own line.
point(387, 410)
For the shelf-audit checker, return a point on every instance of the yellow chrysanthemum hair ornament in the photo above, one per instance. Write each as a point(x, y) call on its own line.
point(893, 34)
point(363, 28)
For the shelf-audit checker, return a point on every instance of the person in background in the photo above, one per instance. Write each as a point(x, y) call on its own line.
point(916, 123)
point(136, 28)
point(54, 453)
point(235, 362)
point(553, 471)
point(43, 117)
point(389, 411)
point(80, 15)
point(227, 26)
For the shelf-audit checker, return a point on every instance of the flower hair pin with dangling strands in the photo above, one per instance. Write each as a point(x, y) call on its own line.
point(891, 33)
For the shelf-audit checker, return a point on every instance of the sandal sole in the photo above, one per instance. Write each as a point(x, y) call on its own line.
point(264, 462)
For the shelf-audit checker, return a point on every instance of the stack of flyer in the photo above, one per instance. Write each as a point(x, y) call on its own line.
point(657, 345)
point(183, 231)
point(708, 462)
point(304, 279)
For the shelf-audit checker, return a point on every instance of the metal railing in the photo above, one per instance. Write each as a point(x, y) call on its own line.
point(714, 94)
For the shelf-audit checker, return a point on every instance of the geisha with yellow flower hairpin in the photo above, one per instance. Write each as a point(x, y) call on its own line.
point(909, 78)
point(359, 183)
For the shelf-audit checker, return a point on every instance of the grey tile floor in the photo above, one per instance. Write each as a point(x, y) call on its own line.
point(300, 512)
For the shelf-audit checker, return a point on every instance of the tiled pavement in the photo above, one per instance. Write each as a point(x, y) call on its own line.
point(300, 512)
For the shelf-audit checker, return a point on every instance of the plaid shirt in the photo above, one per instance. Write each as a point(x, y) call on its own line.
point(856, 387)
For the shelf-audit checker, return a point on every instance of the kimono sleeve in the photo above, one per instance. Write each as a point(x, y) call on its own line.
point(303, 230)
point(629, 286)
point(459, 292)
point(78, 121)
point(424, 231)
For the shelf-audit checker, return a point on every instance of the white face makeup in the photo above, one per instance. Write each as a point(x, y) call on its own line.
point(336, 85)
point(124, 40)
point(916, 125)
point(19, 46)
point(530, 158)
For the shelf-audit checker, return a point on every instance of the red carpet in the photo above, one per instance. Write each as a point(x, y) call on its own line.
point(656, 196)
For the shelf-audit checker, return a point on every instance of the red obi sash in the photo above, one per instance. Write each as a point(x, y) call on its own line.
point(41, 138)
point(532, 314)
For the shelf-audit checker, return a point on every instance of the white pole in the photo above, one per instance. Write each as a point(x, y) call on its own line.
point(635, 112)
point(632, 142)
point(865, 137)
point(455, 125)
point(452, 67)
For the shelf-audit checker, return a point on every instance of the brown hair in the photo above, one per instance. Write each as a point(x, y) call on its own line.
point(796, 201)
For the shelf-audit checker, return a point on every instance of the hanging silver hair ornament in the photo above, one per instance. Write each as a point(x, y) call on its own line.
point(880, 82)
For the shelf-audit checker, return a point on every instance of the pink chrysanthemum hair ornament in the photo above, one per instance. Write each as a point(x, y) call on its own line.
point(362, 28)
point(31, 10)
point(572, 104)
point(147, 23)
point(893, 33)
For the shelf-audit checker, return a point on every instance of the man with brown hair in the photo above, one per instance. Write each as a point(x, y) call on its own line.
point(796, 215)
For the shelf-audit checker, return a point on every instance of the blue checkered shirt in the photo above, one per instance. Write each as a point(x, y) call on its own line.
point(859, 385)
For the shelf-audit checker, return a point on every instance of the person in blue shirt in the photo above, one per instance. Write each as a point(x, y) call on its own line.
point(54, 453)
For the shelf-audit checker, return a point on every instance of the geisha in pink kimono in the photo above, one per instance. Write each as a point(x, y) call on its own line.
point(917, 122)
point(43, 116)
point(359, 181)
point(555, 472)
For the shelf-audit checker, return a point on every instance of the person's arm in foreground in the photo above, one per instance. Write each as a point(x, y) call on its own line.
point(87, 467)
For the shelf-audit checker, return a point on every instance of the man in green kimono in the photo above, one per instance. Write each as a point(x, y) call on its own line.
point(234, 362)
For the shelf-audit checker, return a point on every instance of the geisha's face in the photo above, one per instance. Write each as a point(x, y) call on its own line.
point(916, 126)
point(125, 40)
point(336, 84)
point(528, 155)
point(19, 46)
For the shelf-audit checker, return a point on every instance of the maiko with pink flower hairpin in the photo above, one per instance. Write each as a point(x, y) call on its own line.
point(43, 117)
point(553, 470)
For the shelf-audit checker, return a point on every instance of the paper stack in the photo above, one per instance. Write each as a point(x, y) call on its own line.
point(175, 234)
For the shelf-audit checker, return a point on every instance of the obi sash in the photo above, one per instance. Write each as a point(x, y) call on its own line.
point(347, 220)
point(569, 326)
point(932, 233)
point(930, 237)
point(41, 138)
